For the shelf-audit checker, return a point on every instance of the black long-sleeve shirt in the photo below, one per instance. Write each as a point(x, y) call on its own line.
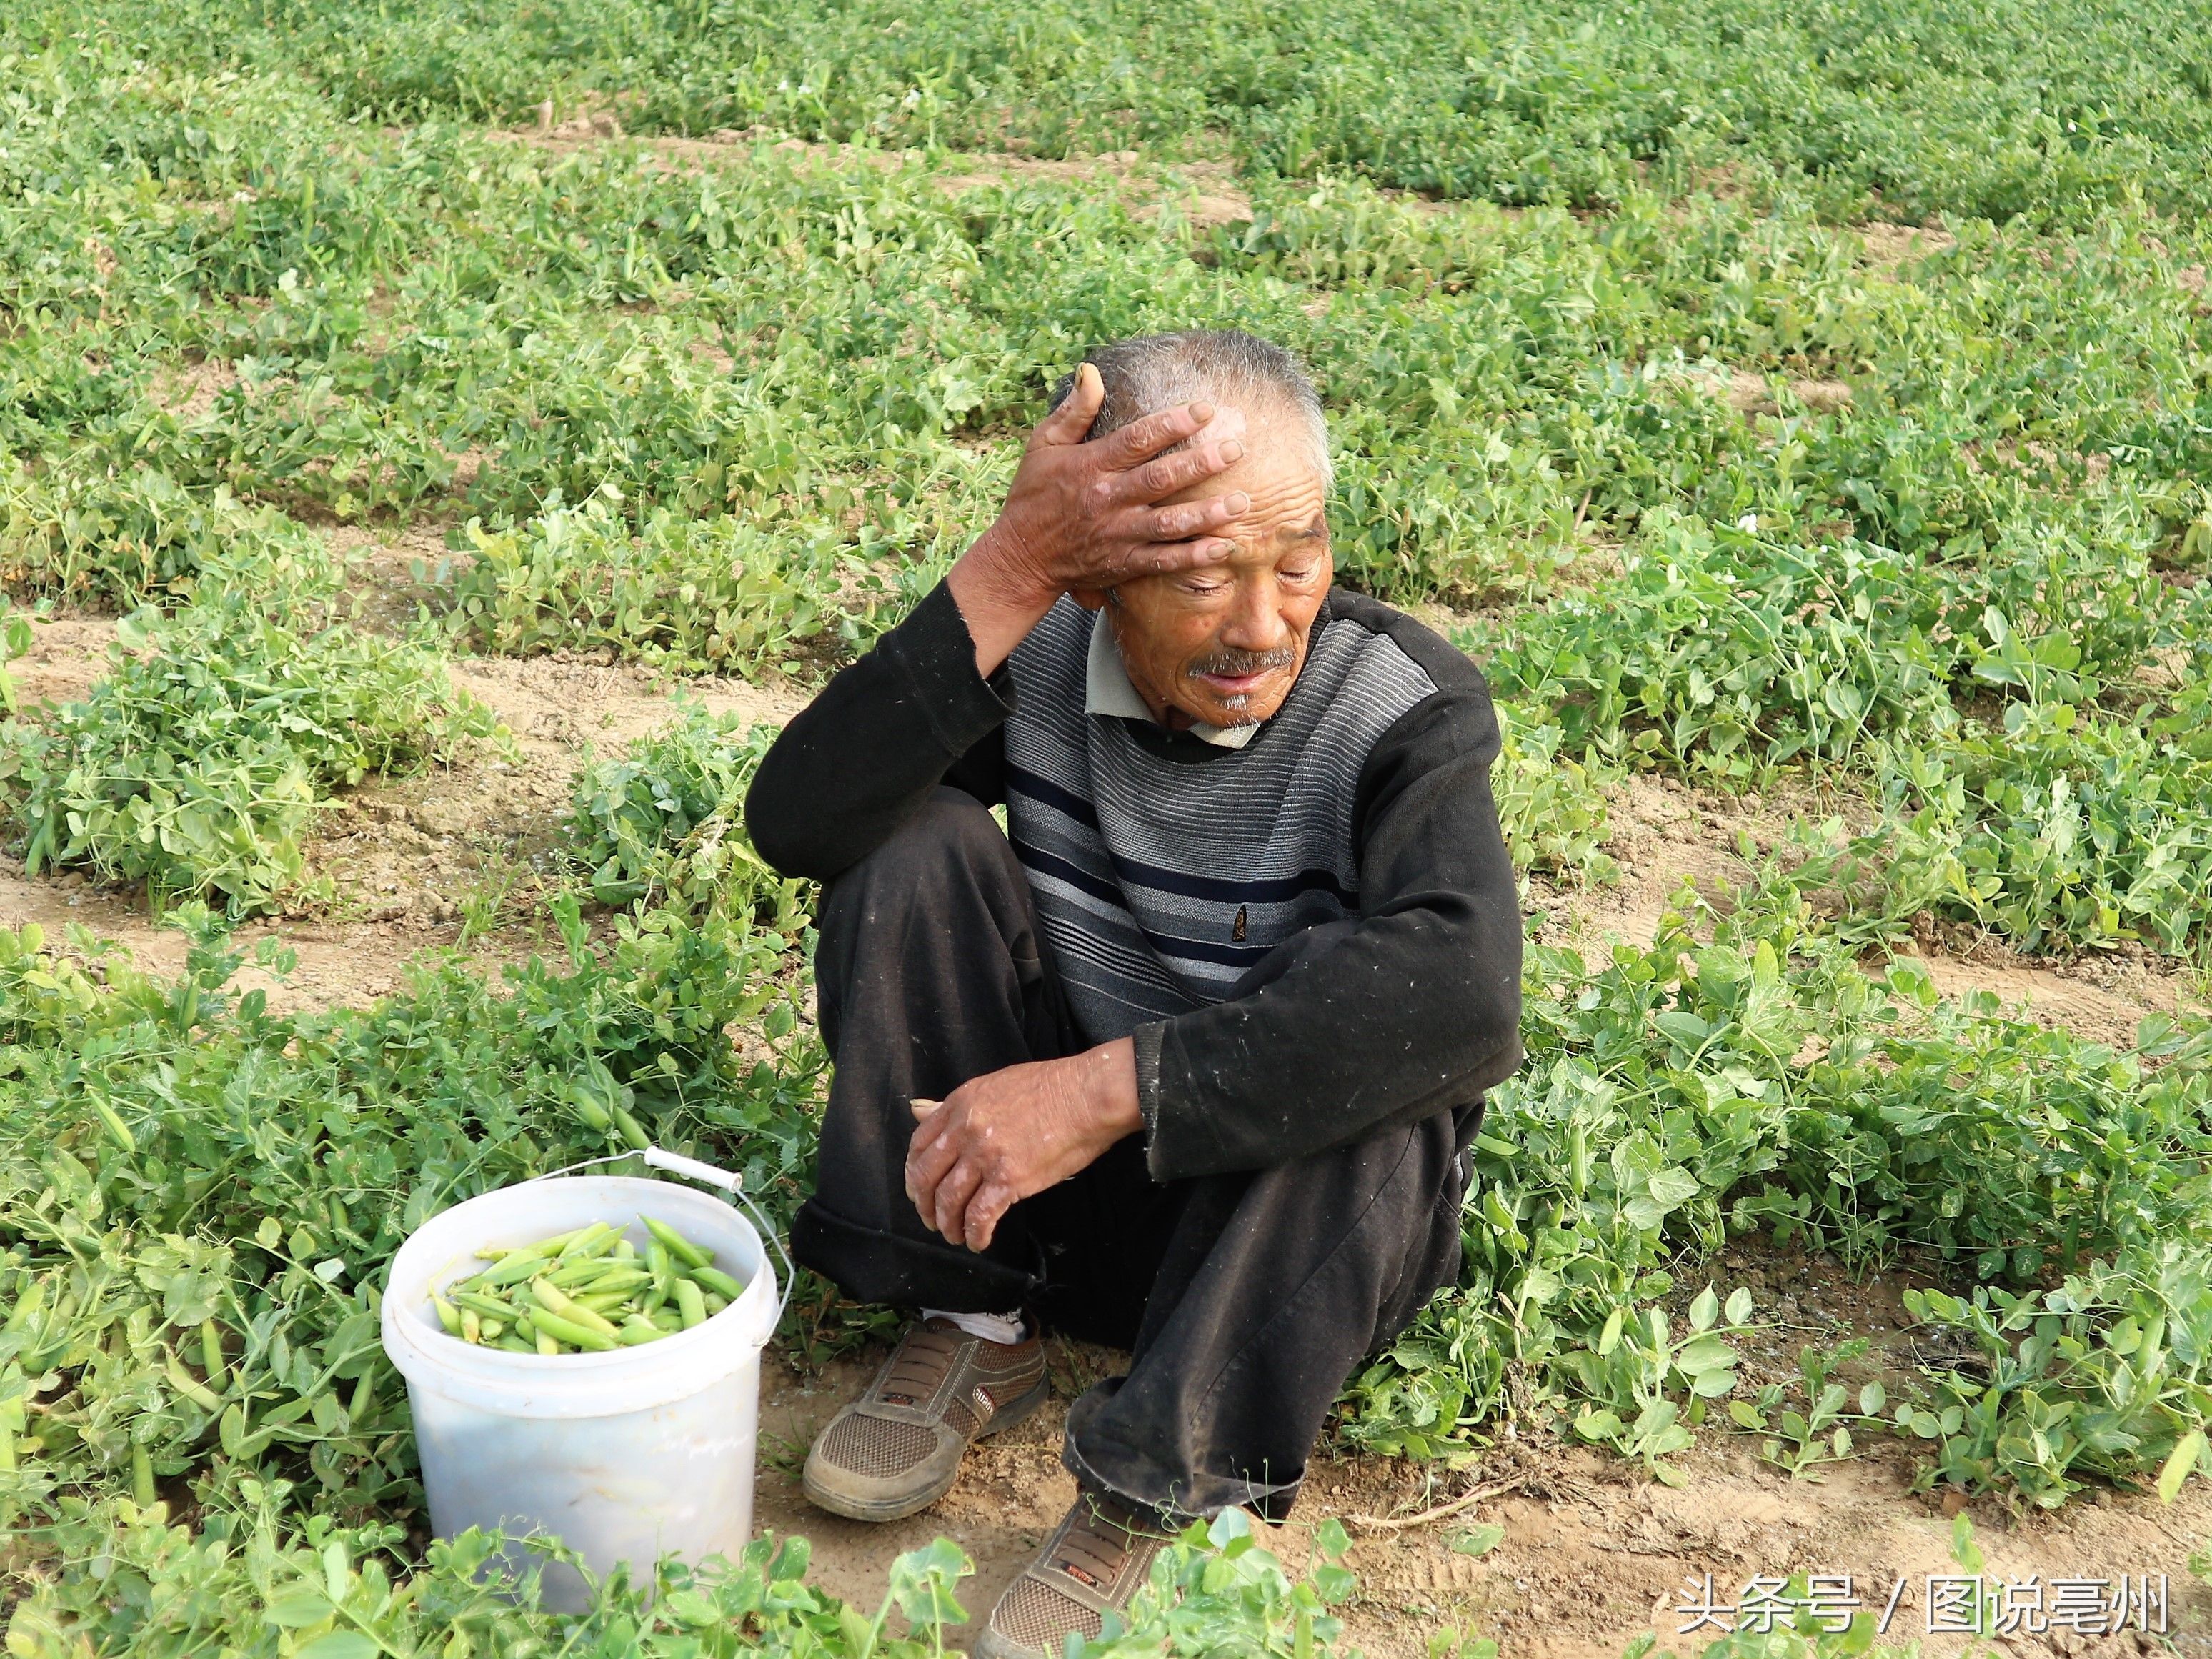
point(1357, 824)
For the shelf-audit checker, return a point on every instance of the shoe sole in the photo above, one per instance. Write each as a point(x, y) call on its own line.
point(1017, 1411)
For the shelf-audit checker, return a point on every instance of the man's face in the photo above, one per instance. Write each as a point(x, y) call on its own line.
point(1223, 645)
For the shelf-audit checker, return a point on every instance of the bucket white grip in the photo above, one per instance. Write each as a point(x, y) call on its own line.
point(734, 1184)
point(676, 1163)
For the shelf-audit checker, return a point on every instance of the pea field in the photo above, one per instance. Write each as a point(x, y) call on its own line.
point(440, 442)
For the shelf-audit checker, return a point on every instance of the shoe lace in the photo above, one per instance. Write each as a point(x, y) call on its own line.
point(918, 1365)
point(1095, 1549)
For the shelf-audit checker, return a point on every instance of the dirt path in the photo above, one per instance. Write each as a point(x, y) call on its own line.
point(1665, 833)
point(406, 854)
point(1207, 191)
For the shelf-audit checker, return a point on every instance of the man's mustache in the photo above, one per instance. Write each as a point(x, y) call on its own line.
point(1231, 662)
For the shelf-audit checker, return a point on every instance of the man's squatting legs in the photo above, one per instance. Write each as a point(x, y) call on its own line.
point(1246, 1298)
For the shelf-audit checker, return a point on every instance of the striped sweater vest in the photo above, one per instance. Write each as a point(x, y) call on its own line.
point(1159, 882)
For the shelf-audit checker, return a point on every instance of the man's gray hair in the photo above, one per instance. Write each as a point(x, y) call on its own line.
point(1154, 372)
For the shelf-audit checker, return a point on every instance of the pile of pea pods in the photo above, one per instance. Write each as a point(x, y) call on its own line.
point(586, 1291)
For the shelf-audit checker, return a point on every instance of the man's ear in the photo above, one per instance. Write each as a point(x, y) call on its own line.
point(1090, 599)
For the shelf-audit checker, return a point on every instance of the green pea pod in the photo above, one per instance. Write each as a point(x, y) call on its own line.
point(714, 1304)
point(118, 1130)
point(614, 1276)
point(575, 1335)
point(555, 1301)
point(514, 1343)
point(471, 1325)
point(635, 1331)
point(693, 1305)
point(511, 1270)
point(602, 1302)
point(632, 1131)
point(690, 1255)
point(27, 1306)
point(595, 1240)
point(448, 1316)
point(625, 1297)
point(489, 1306)
point(713, 1278)
point(364, 1393)
point(186, 1385)
point(211, 1352)
point(624, 1250)
point(548, 1345)
point(588, 1106)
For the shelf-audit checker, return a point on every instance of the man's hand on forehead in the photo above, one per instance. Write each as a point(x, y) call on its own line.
point(1086, 514)
point(1221, 424)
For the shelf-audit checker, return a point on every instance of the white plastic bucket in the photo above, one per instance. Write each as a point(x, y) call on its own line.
point(625, 1456)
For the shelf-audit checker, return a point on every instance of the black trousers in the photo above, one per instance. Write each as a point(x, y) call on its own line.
point(1245, 1299)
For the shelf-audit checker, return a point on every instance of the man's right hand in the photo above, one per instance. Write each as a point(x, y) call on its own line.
point(1085, 515)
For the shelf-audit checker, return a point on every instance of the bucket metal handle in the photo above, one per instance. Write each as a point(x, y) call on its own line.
point(710, 1174)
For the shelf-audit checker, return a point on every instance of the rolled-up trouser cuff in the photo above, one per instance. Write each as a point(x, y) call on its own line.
point(1173, 1500)
point(870, 1264)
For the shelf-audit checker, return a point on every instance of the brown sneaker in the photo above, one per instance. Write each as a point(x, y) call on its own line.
point(1101, 1556)
point(898, 1448)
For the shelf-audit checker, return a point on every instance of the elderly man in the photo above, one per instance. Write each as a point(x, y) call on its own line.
point(1188, 1059)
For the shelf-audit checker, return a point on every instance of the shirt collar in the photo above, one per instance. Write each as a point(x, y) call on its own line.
point(1106, 690)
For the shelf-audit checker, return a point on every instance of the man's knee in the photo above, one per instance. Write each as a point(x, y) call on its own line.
point(1390, 1203)
point(952, 832)
point(952, 841)
point(943, 901)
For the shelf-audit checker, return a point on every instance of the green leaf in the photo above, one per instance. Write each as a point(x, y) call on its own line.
point(1333, 1584)
point(1480, 1539)
point(341, 1645)
point(689, 1607)
point(1705, 1309)
point(1704, 1353)
point(298, 1608)
point(1964, 1550)
point(1598, 1425)
point(1673, 1186)
point(1227, 1528)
